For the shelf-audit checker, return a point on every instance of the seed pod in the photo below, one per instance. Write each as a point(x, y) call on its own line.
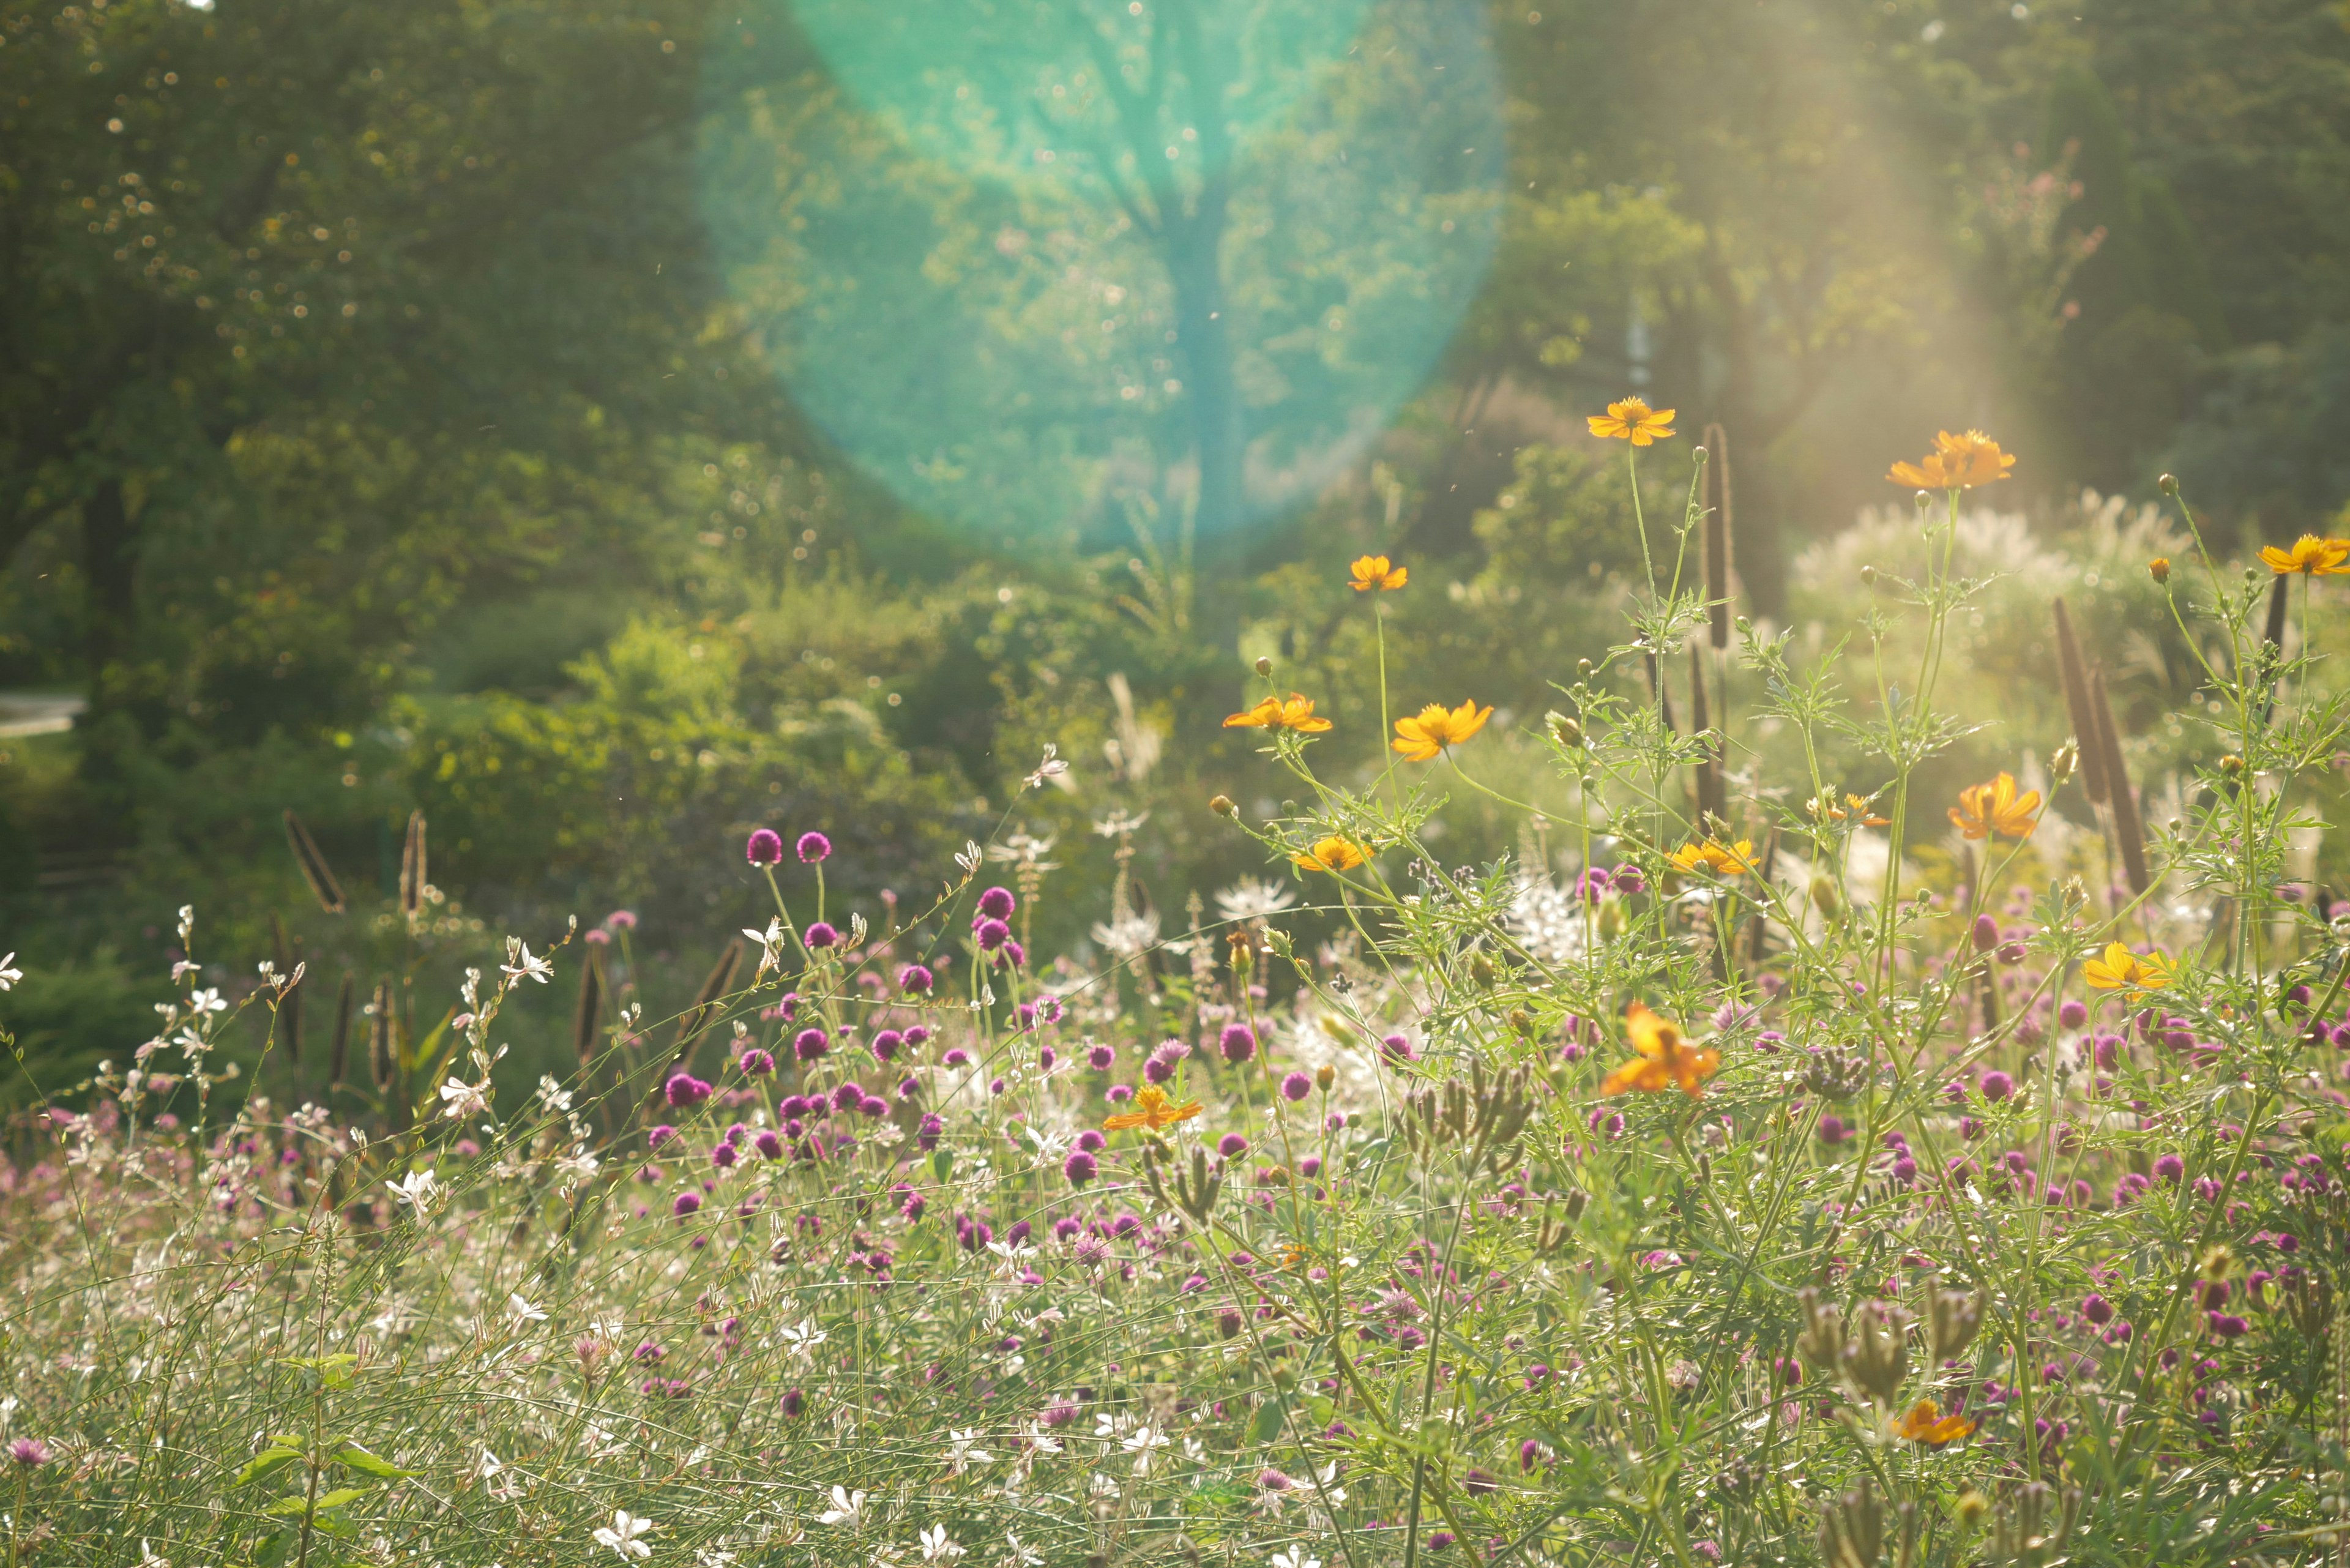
point(2128, 837)
point(412, 868)
point(587, 1011)
point(2074, 676)
point(1718, 535)
point(339, 1053)
point(382, 1046)
point(323, 886)
point(1852, 1529)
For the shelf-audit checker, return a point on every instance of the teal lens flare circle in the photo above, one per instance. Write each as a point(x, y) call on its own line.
point(1039, 347)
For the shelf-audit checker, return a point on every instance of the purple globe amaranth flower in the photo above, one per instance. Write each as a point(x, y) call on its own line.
point(848, 1096)
point(927, 1134)
point(1011, 955)
point(1047, 1058)
point(1296, 1086)
point(685, 1091)
point(659, 1136)
point(724, 1156)
point(1630, 879)
point(765, 847)
point(916, 978)
point(956, 1057)
point(820, 935)
point(810, 1044)
point(1832, 1130)
point(1118, 1094)
point(2098, 1309)
point(1996, 1086)
point(620, 920)
point(756, 1063)
point(769, 1145)
point(1099, 1056)
point(686, 1203)
point(1231, 1146)
point(917, 1037)
point(2072, 1013)
point(1091, 1139)
point(873, 1105)
point(1080, 1168)
point(2169, 1167)
point(885, 1044)
point(997, 904)
point(1238, 1043)
point(990, 933)
point(1984, 933)
point(793, 1404)
point(814, 847)
point(1398, 1050)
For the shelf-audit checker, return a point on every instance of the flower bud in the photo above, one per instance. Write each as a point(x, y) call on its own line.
point(2167, 483)
point(1243, 956)
point(2061, 766)
point(1263, 665)
point(2159, 568)
point(1565, 731)
point(1825, 896)
point(2232, 765)
point(1482, 969)
point(1583, 669)
point(1869, 576)
point(1324, 1077)
point(1521, 1021)
point(1222, 805)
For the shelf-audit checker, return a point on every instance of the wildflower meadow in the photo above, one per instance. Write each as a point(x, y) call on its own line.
point(1779, 1157)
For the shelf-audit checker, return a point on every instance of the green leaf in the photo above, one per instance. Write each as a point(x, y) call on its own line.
point(941, 1162)
point(262, 1463)
point(1267, 1425)
point(292, 1506)
point(348, 1453)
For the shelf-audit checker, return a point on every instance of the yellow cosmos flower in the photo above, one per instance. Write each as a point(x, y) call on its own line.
point(1984, 809)
point(1666, 1061)
point(1378, 572)
point(1333, 854)
point(1632, 420)
point(1274, 714)
point(1723, 859)
point(1427, 732)
point(2318, 557)
point(1925, 1423)
point(2119, 969)
point(1153, 1108)
point(1956, 462)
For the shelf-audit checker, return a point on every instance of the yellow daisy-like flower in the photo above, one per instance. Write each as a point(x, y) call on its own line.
point(1723, 859)
point(1378, 572)
point(1956, 462)
point(2119, 969)
point(1666, 1061)
point(2317, 557)
point(1427, 732)
point(1333, 854)
point(1274, 714)
point(1984, 809)
point(1153, 1108)
point(1632, 420)
point(1925, 1423)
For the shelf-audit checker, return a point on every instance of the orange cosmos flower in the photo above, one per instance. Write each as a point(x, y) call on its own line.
point(1378, 572)
point(2119, 969)
point(1153, 1109)
point(1925, 1423)
point(2316, 556)
point(1632, 420)
point(1984, 809)
point(1956, 462)
point(1421, 737)
point(1665, 1062)
point(1274, 714)
point(1723, 859)
point(1333, 854)
point(1854, 806)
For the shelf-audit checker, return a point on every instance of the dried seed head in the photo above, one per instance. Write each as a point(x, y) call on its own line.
point(1953, 1319)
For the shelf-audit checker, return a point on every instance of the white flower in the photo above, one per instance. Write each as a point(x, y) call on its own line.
point(148, 1556)
point(522, 963)
point(205, 1000)
point(771, 948)
point(712, 1557)
point(1050, 768)
point(9, 973)
point(971, 858)
point(1140, 1444)
point(802, 1338)
point(525, 1311)
point(1128, 935)
point(1295, 1558)
point(420, 1189)
point(1043, 1441)
point(848, 1507)
point(622, 1536)
point(962, 1448)
point(937, 1548)
point(1020, 1555)
point(460, 1099)
point(1251, 899)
